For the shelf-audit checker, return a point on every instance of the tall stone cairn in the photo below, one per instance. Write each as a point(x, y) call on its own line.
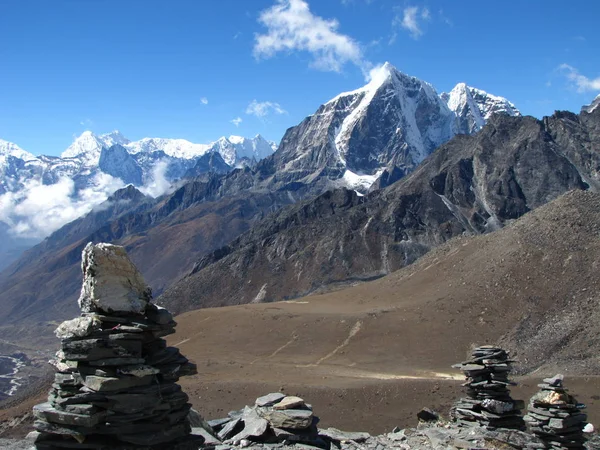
point(115, 386)
point(489, 403)
point(555, 416)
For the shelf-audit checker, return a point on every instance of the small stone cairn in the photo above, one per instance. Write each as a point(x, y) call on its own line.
point(277, 419)
point(115, 386)
point(489, 403)
point(555, 416)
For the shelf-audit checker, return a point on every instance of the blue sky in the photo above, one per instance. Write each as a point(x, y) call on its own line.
point(202, 69)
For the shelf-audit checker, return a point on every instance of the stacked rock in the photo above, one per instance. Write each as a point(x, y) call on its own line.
point(274, 418)
point(489, 403)
point(115, 386)
point(555, 416)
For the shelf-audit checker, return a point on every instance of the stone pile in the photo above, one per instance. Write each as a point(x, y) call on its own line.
point(555, 416)
point(115, 386)
point(279, 419)
point(489, 403)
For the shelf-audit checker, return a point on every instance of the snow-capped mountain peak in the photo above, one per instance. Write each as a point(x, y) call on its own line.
point(473, 107)
point(398, 96)
point(87, 147)
point(592, 106)
point(10, 149)
point(177, 148)
point(114, 137)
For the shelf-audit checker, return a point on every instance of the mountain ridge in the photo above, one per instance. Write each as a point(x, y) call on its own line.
point(472, 184)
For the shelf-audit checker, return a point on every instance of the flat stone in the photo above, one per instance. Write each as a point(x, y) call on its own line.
point(103, 384)
point(86, 409)
point(94, 352)
point(111, 282)
point(47, 412)
point(139, 371)
point(295, 419)
point(209, 440)
point(568, 422)
point(253, 427)
point(230, 429)
point(555, 381)
point(289, 402)
point(79, 327)
point(269, 399)
point(341, 436)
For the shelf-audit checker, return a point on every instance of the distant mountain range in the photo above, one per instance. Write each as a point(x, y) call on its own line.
point(39, 194)
point(362, 140)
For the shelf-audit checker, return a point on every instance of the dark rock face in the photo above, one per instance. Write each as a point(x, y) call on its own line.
point(117, 161)
point(394, 120)
point(472, 184)
point(211, 162)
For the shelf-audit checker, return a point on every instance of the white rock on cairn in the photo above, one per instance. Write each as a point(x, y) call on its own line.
point(111, 282)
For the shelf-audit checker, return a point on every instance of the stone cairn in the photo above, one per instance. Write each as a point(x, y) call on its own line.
point(555, 416)
point(277, 419)
point(115, 386)
point(489, 403)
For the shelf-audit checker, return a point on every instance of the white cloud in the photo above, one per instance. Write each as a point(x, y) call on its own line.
point(580, 82)
point(38, 209)
point(262, 109)
point(237, 121)
point(411, 19)
point(292, 26)
point(86, 123)
point(158, 184)
point(204, 101)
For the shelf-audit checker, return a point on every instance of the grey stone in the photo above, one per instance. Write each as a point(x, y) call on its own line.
point(47, 412)
point(269, 399)
point(295, 419)
point(111, 282)
point(555, 381)
point(337, 435)
point(230, 429)
point(209, 439)
point(253, 427)
point(289, 402)
point(104, 384)
point(79, 327)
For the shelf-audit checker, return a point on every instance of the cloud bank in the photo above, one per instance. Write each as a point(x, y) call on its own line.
point(37, 210)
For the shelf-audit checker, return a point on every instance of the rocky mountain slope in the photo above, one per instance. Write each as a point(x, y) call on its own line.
point(472, 184)
point(530, 287)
